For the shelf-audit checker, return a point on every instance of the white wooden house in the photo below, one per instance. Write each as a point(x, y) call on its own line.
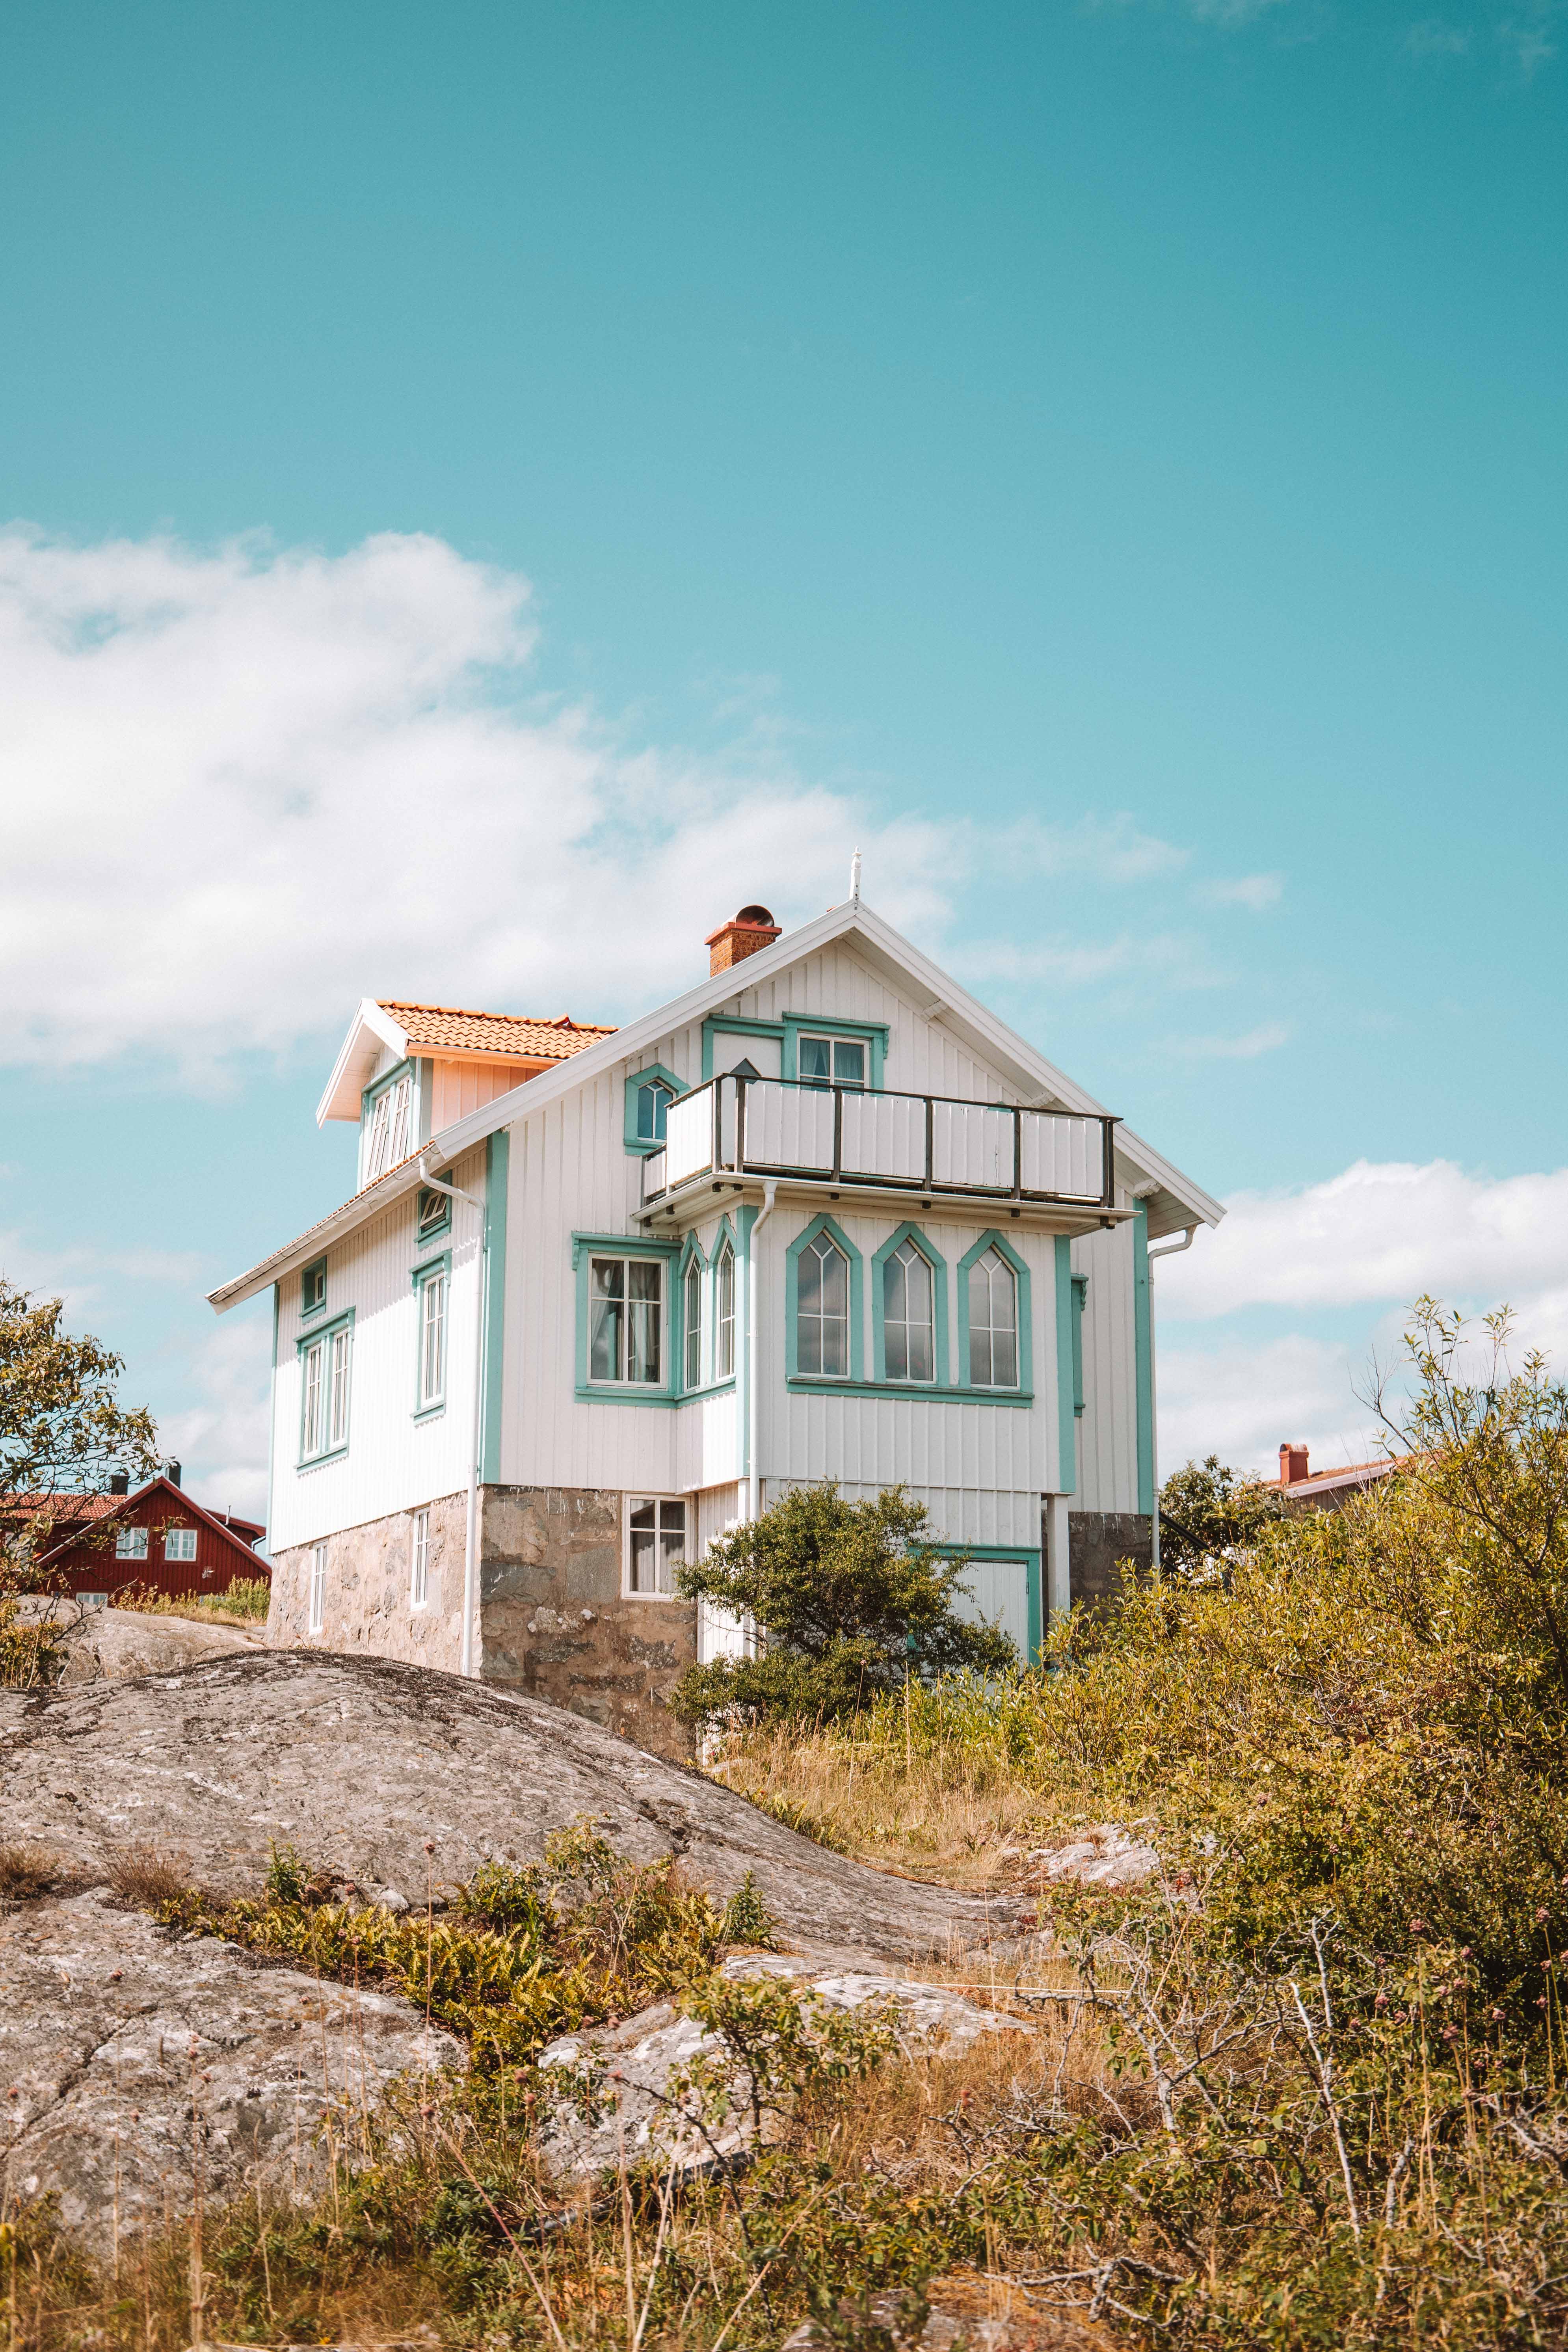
point(602, 1294)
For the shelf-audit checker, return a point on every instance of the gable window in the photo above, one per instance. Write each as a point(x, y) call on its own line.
point(832, 1061)
point(324, 1401)
point(432, 1295)
point(626, 1319)
point(313, 1287)
point(724, 1313)
point(180, 1543)
point(908, 1318)
point(434, 1212)
point(656, 1543)
point(391, 1123)
point(419, 1560)
point(692, 1367)
point(318, 1588)
point(653, 1098)
point(130, 1543)
point(992, 1322)
point(822, 1310)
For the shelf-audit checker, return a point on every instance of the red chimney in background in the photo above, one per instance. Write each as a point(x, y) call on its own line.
point(752, 929)
point(1292, 1464)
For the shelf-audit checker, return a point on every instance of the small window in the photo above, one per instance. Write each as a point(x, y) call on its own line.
point(653, 1098)
point(656, 1544)
point(435, 1212)
point(832, 1061)
point(130, 1543)
point(313, 1287)
point(692, 1367)
point(992, 1322)
point(318, 1588)
point(625, 1328)
point(909, 1339)
point(180, 1543)
point(724, 1314)
point(390, 1120)
point(822, 1310)
point(419, 1560)
point(433, 1340)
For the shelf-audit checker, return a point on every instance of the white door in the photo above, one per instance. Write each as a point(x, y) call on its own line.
point(998, 1595)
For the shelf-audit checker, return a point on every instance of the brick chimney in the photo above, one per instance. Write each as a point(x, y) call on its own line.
point(733, 941)
point(1292, 1464)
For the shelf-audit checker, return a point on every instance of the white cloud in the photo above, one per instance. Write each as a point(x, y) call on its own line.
point(1265, 1039)
point(1253, 891)
point(221, 1441)
point(1110, 849)
point(1433, 38)
point(1380, 1234)
point(1244, 1399)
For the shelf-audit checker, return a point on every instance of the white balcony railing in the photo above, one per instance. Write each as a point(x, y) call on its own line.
point(845, 1136)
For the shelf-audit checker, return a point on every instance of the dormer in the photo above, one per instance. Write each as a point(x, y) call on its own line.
point(406, 1071)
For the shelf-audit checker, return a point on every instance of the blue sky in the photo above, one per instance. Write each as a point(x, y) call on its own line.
point(471, 467)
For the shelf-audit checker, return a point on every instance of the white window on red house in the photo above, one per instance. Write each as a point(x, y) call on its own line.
point(130, 1543)
point(180, 1543)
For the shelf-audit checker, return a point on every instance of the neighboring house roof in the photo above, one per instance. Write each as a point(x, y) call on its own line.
point(495, 1035)
point(87, 1509)
point(1323, 1482)
point(1172, 1200)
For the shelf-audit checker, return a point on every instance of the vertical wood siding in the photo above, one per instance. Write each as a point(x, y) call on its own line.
point(1108, 1432)
point(459, 1087)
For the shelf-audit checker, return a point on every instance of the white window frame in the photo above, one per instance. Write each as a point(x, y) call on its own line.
point(652, 1084)
point(434, 1289)
point(691, 1324)
point(419, 1558)
point(326, 1390)
point(909, 1254)
point(660, 1503)
point(835, 1045)
point(130, 1543)
point(388, 1144)
point(989, 1329)
point(180, 1535)
point(819, 1247)
point(619, 1378)
point(317, 1607)
point(724, 1311)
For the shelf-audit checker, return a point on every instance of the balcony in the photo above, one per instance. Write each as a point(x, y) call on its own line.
point(849, 1138)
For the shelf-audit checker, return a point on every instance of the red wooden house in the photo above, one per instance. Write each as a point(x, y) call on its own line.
point(159, 1539)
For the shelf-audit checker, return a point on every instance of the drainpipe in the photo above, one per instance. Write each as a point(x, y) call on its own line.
point(1171, 1249)
point(471, 1532)
point(770, 1192)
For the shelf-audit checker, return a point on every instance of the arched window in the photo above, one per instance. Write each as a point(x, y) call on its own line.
point(654, 1097)
point(724, 1313)
point(822, 1310)
point(992, 1322)
point(692, 1366)
point(908, 1332)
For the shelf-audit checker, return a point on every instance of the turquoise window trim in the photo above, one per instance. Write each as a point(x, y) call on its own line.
point(640, 1144)
point(1080, 1300)
point(1067, 1421)
point(991, 1239)
point(1144, 1357)
point(716, 1026)
point(422, 1274)
point(938, 1264)
point(317, 1265)
point(913, 1392)
point(870, 1033)
point(1030, 1555)
point(425, 1234)
point(835, 1233)
point(317, 1334)
point(498, 1174)
point(585, 1247)
point(726, 1233)
point(691, 1254)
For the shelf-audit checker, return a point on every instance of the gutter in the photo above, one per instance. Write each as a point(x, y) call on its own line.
point(471, 1532)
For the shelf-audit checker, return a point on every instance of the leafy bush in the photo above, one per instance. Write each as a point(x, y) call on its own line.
point(1209, 1516)
point(851, 1599)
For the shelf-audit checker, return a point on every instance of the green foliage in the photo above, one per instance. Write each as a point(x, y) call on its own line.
point(1209, 1517)
point(850, 1598)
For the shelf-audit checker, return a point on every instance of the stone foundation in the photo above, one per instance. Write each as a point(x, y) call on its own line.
point(1097, 1541)
point(555, 1623)
point(368, 1572)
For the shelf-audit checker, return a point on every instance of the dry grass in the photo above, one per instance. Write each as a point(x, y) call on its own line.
point(942, 1813)
point(146, 1876)
point(26, 1872)
point(244, 1602)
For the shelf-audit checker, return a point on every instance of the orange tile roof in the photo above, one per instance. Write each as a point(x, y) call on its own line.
point(508, 1035)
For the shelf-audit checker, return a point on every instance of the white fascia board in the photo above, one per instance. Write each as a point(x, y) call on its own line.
point(341, 1098)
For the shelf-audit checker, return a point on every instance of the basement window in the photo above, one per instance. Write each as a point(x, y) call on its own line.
point(656, 1544)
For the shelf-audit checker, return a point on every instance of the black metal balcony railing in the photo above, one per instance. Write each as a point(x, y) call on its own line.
point(849, 1135)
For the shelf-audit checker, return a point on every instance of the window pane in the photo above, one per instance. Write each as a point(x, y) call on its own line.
point(653, 1105)
point(644, 1535)
point(693, 1326)
point(313, 1357)
point(850, 1063)
point(724, 1350)
point(822, 1310)
point(606, 1318)
point(992, 1322)
point(433, 1353)
point(180, 1543)
point(909, 1346)
point(645, 1282)
point(130, 1543)
point(339, 1396)
point(815, 1060)
point(671, 1542)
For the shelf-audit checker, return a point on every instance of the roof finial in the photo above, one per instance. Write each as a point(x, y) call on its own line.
point(854, 879)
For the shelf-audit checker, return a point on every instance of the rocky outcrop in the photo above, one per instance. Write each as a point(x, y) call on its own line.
point(133, 2061)
point(115, 1645)
point(361, 1764)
